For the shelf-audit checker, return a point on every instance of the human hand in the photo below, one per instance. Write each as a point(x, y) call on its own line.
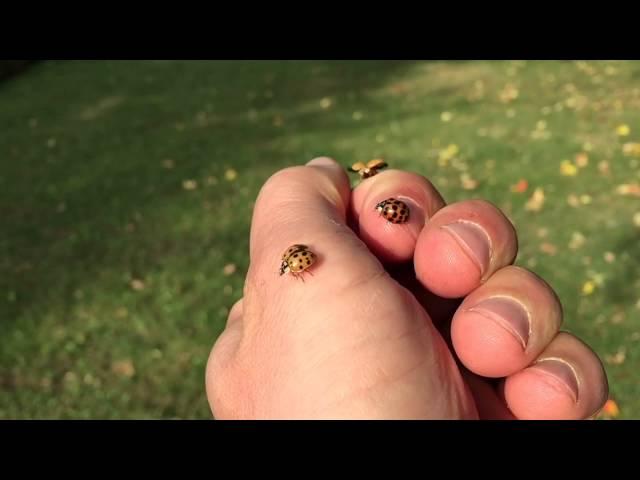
point(422, 320)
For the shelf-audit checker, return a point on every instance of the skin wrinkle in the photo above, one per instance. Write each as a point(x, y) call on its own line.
point(381, 379)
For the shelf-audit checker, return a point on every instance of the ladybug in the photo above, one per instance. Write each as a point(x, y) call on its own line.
point(393, 210)
point(370, 169)
point(296, 259)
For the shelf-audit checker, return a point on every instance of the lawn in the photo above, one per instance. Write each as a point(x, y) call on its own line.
point(126, 191)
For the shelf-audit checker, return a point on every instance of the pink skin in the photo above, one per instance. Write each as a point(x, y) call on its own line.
point(389, 242)
point(352, 343)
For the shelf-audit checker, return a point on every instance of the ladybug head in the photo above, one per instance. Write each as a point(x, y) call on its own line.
point(284, 268)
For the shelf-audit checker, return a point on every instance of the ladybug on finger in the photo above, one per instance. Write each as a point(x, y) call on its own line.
point(393, 210)
point(296, 260)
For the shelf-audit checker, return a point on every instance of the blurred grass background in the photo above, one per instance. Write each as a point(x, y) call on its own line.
point(126, 190)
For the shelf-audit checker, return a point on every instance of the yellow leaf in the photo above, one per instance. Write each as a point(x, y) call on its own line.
point(447, 154)
point(588, 287)
point(326, 103)
point(230, 175)
point(568, 169)
point(623, 130)
point(189, 184)
point(631, 149)
point(446, 116)
point(577, 240)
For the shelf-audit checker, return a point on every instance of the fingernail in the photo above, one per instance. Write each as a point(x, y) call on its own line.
point(562, 374)
point(473, 240)
point(322, 162)
point(509, 314)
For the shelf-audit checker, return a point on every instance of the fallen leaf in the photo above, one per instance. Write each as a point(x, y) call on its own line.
point(541, 132)
point(124, 368)
point(588, 287)
point(585, 199)
point(467, 182)
point(573, 200)
point(548, 248)
point(568, 169)
point(326, 103)
point(623, 130)
point(577, 240)
point(520, 187)
point(611, 408)
point(168, 164)
point(631, 149)
point(229, 269)
point(632, 189)
point(137, 284)
point(636, 219)
point(582, 160)
point(542, 232)
point(609, 257)
point(230, 175)
point(189, 184)
point(536, 202)
point(446, 116)
point(446, 154)
point(617, 358)
point(508, 93)
point(603, 167)
point(617, 318)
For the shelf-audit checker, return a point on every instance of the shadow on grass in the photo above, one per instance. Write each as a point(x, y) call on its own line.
point(86, 141)
point(13, 68)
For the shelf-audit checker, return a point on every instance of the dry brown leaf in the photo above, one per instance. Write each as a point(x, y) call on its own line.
point(536, 202)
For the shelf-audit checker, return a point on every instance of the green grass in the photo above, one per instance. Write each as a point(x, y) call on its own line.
point(89, 208)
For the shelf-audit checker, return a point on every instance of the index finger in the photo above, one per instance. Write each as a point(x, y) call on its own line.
point(306, 205)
